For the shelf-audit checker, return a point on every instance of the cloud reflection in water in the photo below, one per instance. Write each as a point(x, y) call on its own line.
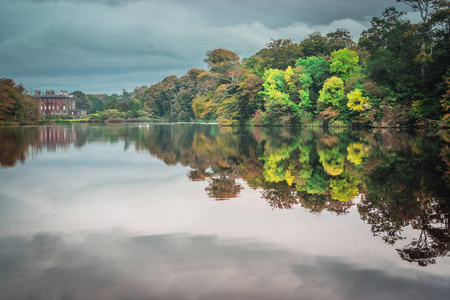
point(115, 265)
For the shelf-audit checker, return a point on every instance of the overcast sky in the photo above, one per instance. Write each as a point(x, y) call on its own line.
point(104, 46)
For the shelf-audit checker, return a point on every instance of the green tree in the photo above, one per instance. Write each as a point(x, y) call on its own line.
point(315, 44)
point(27, 109)
point(316, 67)
point(111, 103)
point(298, 83)
point(278, 54)
point(332, 92)
point(136, 108)
point(248, 91)
point(255, 64)
point(433, 58)
point(279, 106)
point(344, 63)
point(160, 98)
point(126, 96)
point(340, 39)
point(357, 102)
point(392, 52)
point(425, 7)
point(97, 101)
point(82, 101)
point(188, 86)
point(331, 98)
point(445, 103)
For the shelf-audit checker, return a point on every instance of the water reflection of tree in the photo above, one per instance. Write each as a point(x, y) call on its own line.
point(402, 179)
point(312, 172)
point(396, 174)
point(385, 218)
point(15, 143)
point(198, 175)
point(406, 188)
point(315, 204)
point(421, 251)
point(445, 155)
point(223, 187)
point(281, 196)
point(434, 238)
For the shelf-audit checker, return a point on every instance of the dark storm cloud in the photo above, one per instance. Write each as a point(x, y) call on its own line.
point(284, 12)
point(112, 265)
point(70, 44)
point(104, 2)
point(275, 13)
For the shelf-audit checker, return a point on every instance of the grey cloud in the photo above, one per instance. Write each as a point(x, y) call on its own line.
point(104, 2)
point(285, 12)
point(99, 83)
point(274, 14)
point(360, 283)
point(43, 42)
point(116, 265)
point(107, 39)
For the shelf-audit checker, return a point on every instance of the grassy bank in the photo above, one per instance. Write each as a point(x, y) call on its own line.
point(65, 121)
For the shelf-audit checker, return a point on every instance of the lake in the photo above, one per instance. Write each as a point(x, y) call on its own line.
point(210, 212)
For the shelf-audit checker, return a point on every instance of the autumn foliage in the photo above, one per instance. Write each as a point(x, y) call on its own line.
point(15, 105)
point(393, 76)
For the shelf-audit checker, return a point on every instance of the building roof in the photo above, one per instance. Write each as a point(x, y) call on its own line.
point(52, 97)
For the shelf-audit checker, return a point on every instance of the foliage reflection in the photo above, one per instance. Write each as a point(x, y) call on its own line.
point(394, 179)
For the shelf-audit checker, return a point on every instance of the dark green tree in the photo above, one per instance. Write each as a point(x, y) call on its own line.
point(160, 98)
point(280, 54)
point(315, 44)
point(340, 39)
point(111, 103)
point(392, 52)
point(82, 101)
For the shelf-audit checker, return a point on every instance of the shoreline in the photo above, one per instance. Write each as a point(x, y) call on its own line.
point(149, 122)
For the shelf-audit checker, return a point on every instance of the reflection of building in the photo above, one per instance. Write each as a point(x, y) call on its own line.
point(58, 104)
point(57, 137)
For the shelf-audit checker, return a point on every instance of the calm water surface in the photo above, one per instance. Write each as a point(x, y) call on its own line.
point(210, 212)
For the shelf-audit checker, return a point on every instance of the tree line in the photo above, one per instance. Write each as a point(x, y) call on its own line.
point(397, 74)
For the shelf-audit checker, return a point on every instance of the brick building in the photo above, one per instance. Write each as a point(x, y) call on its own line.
point(52, 103)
